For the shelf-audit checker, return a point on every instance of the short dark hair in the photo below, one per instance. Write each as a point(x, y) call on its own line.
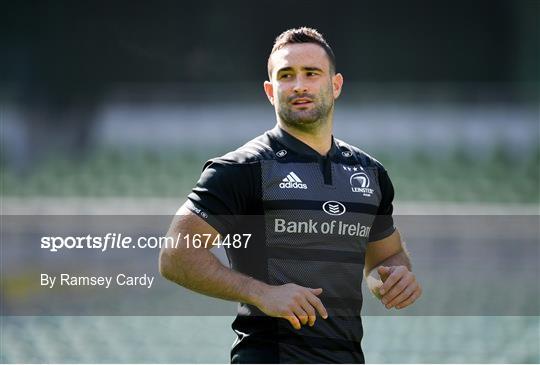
point(303, 35)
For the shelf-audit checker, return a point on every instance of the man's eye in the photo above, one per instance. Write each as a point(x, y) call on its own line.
point(285, 76)
point(311, 74)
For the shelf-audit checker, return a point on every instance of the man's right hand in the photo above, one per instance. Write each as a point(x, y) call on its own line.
point(297, 304)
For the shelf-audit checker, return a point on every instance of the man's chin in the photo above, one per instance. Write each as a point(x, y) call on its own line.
point(304, 119)
point(304, 124)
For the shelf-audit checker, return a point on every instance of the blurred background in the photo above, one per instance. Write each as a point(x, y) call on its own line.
point(113, 107)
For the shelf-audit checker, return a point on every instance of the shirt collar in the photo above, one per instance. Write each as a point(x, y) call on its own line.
point(298, 146)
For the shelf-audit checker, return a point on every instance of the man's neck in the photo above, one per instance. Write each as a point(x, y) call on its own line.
point(320, 139)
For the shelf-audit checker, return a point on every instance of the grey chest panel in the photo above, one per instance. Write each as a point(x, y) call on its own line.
point(316, 233)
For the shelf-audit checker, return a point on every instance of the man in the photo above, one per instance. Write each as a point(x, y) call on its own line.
point(319, 211)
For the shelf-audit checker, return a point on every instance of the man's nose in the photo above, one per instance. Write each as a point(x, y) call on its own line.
point(300, 87)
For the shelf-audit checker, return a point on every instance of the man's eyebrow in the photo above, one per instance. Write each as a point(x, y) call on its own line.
point(284, 69)
point(308, 68)
point(312, 69)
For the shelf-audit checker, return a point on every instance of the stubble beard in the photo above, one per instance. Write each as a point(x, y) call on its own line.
point(309, 120)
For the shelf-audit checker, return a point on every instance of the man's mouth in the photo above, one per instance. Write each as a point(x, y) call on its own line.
point(301, 101)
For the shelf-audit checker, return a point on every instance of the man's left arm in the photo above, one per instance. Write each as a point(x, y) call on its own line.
point(389, 274)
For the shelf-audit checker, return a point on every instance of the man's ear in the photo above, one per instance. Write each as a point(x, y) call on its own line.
point(337, 84)
point(269, 90)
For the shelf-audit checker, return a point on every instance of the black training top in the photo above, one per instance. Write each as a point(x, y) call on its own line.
point(311, 218)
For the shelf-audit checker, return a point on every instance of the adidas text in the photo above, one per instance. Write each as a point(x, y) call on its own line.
point(292, 185)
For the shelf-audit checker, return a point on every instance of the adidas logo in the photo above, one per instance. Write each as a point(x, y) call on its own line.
point(292, 181)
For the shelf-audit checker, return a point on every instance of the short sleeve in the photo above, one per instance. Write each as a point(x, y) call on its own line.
point(222, 194)
point(383, 225)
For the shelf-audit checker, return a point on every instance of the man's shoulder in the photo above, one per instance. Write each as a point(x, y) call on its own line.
point(362, 158)
point(253, 151)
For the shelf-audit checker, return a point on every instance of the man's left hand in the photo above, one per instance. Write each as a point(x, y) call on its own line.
point(400, 288)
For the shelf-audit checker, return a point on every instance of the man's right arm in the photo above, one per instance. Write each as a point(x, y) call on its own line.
point(200, 270)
